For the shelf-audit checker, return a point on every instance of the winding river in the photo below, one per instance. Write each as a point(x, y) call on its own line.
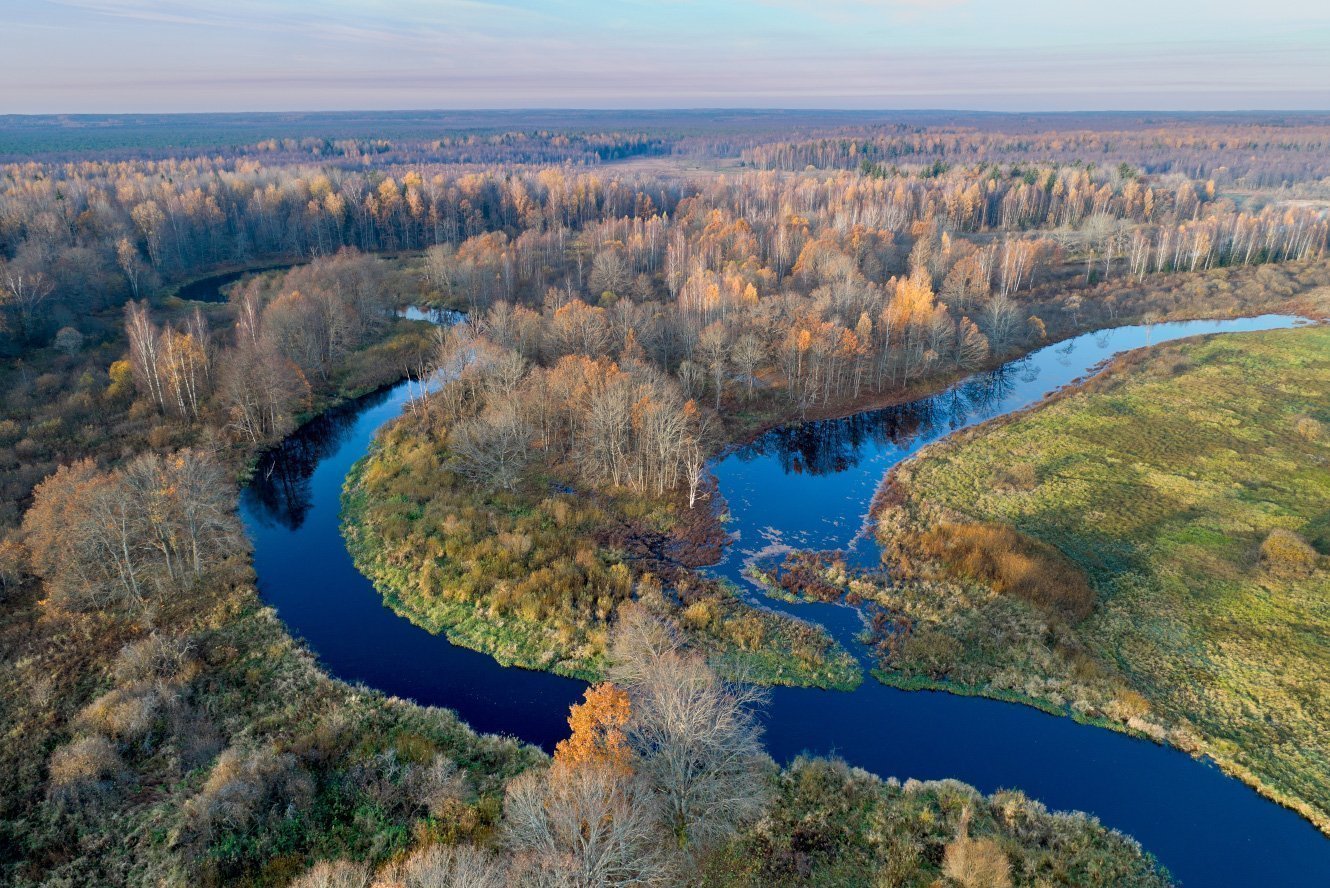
point(806, 485)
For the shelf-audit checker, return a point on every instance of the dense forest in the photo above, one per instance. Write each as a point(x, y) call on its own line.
point(622, 320)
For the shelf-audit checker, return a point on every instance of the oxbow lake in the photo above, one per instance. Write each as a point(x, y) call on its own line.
point(803, 486)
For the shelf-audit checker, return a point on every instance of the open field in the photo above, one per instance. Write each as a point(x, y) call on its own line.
point(1189, 485)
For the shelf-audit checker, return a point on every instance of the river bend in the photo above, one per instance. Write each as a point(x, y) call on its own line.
point(806, 486)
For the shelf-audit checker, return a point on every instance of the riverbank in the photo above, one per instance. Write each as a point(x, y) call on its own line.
point(1161, 480)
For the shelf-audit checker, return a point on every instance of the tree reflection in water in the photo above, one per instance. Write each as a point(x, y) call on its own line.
point(280, 492)
point(831, 446)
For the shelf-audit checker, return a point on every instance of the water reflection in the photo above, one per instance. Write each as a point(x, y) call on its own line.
point(210, 289)
point(833, 446)
point(280, 492)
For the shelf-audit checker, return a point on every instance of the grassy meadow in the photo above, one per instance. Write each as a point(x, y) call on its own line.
point(1189, 485)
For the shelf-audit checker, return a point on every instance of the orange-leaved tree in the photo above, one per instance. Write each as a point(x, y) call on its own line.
point(598, 736)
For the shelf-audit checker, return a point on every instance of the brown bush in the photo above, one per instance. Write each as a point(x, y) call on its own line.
point(12, 561)
point(435, 786)
point(84, 759)
point(1019, 476)
point(1013, 564)
point(1309, 429)
point(334, 874)
point(935, 652)
point(155, 657)
point(242, 784)
point(977, 863)
point(462, 865)
point(84, 771)
point(123, 713)
point(1285, 552)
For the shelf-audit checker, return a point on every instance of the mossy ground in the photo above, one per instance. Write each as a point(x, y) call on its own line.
point(1161, 481)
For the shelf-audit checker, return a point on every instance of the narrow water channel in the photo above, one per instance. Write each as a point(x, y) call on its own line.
point(805, 486)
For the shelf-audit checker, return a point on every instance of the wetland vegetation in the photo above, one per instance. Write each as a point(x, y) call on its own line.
point(1185, 491)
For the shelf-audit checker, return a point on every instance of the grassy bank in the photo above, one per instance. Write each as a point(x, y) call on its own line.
point(831, 825)
point(1189, 486)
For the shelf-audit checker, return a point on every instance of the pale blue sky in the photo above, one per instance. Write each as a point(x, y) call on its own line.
point(234, 55)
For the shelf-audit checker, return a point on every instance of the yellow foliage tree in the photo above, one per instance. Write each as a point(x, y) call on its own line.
point(598, 738)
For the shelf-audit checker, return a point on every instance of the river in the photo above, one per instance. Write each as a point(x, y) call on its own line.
point(806, 485)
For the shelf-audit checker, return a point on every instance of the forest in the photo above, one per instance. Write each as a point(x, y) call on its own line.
point(633, 296)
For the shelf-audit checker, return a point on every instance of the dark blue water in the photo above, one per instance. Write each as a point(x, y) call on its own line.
point(806, 486)
point(210, 289)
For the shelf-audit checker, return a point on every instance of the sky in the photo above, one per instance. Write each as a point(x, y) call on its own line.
point(114, 56)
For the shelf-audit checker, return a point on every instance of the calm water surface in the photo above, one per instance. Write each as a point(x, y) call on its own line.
point(210, 289)
point(809, 486)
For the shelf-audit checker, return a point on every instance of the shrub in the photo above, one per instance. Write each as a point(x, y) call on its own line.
point(1285, 551)
point(1019, 476)
point(975, 863)
point(155, 657)
point(69, 340)
point(334, 874)
point(87, 757)
point(123, 713)
point(1308, 429)
point(122, 381)
point(436, 786)
point(936, 653)
point(240, 783)
point(463, 866)
point(84, 770)
point(700, 614)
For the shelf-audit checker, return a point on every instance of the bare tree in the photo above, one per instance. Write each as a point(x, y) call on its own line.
point(127, 257)
point(999, 320)
point(748, 355)
point(584, 827)
point(159, 523)
point(440, 866)
point(609, 273)
point(439, 267)
point(25, 291)
point(144, 352)
point(696, 737)
point(493, 448)
point(261, 391)
point(713, 350)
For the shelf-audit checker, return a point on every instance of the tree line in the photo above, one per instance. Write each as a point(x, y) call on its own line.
point(290, 330)
point(80, 236)
point(1254, 153)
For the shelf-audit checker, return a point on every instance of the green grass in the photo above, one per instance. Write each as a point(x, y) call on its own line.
point(1160, 481)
